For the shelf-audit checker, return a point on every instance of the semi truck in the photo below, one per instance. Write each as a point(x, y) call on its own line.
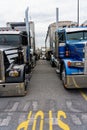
point(14, 63)
point(50, 36)
point(70, 56)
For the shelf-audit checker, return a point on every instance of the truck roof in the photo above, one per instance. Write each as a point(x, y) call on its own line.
point(10, 32)
point(76, 29)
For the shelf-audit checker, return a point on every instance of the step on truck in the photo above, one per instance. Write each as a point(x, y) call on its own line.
point(71, 56)
point(14, 63)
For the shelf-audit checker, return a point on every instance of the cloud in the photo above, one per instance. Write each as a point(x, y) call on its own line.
point(42, 12)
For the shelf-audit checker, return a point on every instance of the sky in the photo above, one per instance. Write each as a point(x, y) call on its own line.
point(42, 12)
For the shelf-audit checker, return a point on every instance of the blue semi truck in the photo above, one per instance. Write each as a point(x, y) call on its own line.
point(71, 58)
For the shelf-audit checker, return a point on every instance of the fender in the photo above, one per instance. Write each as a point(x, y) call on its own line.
point(71, 70)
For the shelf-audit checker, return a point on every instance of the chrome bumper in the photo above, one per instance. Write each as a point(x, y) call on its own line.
point(12, 89)
point(76, 81)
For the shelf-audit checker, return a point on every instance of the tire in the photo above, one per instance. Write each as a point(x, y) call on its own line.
point(63, 77)
point(52, 64)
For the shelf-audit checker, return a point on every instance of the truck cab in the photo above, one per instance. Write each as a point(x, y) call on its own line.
point(71, 45)
point(14, 65)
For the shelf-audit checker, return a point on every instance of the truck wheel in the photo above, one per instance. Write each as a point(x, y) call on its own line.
point(52, 64)
point(63, 75)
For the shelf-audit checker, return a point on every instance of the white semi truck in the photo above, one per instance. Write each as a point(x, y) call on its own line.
point(14, 63)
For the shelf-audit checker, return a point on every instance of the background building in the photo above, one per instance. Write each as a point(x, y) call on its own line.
point(84, 24)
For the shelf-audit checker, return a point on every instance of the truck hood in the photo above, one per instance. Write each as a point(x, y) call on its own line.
point(76, 48)
point(6, 47)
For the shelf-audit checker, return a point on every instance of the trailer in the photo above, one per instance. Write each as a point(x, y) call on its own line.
point(21, 26)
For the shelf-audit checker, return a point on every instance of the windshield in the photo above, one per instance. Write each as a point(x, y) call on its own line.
point(10, 39)
point(77, 36)
point(61, 37)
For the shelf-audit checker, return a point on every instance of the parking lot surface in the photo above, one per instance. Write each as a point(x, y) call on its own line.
point(47, 105)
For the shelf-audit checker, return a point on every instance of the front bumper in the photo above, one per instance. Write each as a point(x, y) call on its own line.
point(76, 81)
point(12, 89)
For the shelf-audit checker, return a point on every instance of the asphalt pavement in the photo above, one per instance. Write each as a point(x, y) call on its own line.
point(47, 105)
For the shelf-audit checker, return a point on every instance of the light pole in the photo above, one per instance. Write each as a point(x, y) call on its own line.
point(78, 12)
point(57, 17)
point(57, 20)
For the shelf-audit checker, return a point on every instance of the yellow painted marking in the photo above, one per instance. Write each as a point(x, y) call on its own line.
point(50, 121)
point(77, 86)
point(61, 124)
point(84, 95)
point(24, 125)
point(41, 114)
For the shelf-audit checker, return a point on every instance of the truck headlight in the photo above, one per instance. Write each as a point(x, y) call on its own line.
point(75, 64)
point(14, 73)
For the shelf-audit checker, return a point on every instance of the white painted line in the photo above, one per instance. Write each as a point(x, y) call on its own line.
point(70, 107)
point(14, 108)
point(84, 118)
point(35, 106)
point(26, 107)
point(76, 120)
point(5, 122)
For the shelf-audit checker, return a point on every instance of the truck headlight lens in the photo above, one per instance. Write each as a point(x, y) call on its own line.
point(75, 64)
point(14, 73)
